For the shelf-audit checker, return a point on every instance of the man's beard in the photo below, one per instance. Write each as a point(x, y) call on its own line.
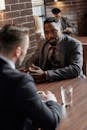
point(53, 42)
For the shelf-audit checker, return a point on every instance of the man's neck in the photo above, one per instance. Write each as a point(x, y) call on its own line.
point(8, 60)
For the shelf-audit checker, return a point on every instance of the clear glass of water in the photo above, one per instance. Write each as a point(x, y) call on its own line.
point(67, 95)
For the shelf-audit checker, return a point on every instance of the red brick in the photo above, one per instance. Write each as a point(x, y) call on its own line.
point(29, 25)
point(22, 6)
point(25, 1)
point(19, 20)
point(15, 14)
point(28, 5)
point(26, 12)
point(11, 1)
point(9, 21)
point(7, 15)
point(7, 1)
point(30, 18)
point(7, 8)
point(15, 7)
point(1, 15)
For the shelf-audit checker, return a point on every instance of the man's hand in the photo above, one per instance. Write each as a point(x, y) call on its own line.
point(49, 96)
point(67, 30)
point(37, 73)
point(35, 70)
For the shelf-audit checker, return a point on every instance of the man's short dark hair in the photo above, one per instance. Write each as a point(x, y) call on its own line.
point(56, 10)
point(49, 20)
point(12, 35)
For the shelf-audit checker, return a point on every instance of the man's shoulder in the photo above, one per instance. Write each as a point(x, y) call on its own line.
point(18, 77)
point(64, 18)
point(73, 39)
point(70, 39)
point(23, 75)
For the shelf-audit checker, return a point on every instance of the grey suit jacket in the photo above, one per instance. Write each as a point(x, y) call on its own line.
point(69, 59)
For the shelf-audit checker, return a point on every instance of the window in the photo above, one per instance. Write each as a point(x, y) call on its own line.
point(38, 9)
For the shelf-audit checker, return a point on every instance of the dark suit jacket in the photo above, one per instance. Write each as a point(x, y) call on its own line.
point(69, 59)
point(20, 106)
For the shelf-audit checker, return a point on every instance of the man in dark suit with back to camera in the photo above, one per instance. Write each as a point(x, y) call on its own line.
point(21, 108)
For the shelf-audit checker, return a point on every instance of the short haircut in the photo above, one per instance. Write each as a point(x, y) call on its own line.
point(49, 20)
point(11, 36)
point(56, 10)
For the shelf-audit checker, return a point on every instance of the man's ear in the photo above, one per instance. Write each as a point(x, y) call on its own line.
point(18, 51)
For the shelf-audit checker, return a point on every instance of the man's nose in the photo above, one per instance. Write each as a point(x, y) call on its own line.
point(51, 35)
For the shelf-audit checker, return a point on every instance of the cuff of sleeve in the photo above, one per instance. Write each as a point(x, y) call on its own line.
point(46, 74)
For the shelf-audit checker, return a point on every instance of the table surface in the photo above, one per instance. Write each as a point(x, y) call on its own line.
point(74, 117)
point(83, 39)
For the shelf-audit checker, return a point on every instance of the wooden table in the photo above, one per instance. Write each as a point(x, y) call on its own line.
point(83, 39)
point(74, 117)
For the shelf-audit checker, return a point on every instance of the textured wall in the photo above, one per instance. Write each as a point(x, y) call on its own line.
point(19, 12)
point(76, 10)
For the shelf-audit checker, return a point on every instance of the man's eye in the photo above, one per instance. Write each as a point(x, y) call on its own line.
point(51, 31)
point(54, 31)
point(47, 32)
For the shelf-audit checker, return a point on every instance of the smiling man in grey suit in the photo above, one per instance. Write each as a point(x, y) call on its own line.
point(21, 108)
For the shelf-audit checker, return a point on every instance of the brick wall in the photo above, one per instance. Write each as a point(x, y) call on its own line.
point(75, 10)
point(67, 7)
point(19, 12)
point(82, 16)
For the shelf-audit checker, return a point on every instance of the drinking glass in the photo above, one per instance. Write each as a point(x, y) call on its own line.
point(67, 95)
